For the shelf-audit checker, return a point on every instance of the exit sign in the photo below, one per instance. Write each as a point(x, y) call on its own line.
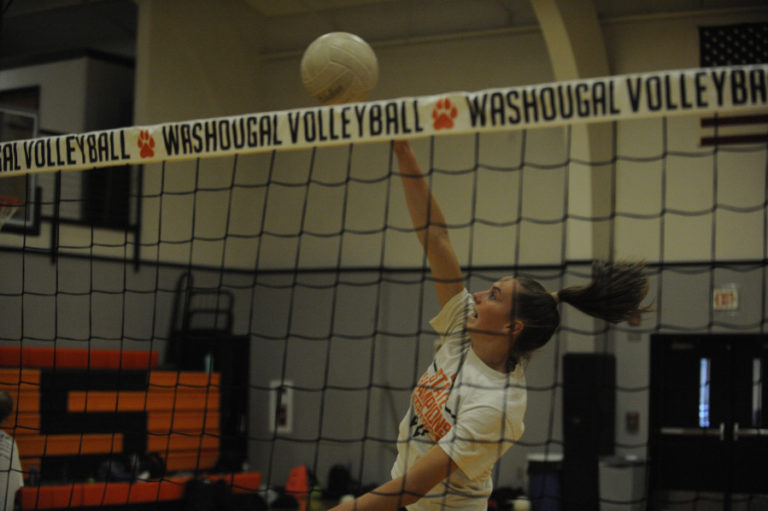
point(725, 299)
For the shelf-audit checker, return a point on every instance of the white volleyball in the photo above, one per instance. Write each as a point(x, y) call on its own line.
point(339, 67)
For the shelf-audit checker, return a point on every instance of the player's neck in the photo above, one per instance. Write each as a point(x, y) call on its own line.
point(492, 349)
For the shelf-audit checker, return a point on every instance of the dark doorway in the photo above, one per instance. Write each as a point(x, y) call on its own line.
point(708, 429)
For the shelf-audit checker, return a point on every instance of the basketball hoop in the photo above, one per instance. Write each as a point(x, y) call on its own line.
point(8, 206)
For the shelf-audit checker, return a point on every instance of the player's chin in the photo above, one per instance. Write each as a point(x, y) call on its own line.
point(478, 329)
point(472, 327)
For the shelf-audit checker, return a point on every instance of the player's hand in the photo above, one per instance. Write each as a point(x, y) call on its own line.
point(401, 147)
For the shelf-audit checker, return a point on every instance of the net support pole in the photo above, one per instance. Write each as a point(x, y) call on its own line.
point(574, 38)
point(589, 222)
point(576, 48)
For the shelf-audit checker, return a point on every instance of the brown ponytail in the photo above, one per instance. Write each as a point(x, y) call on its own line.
point(614, 295)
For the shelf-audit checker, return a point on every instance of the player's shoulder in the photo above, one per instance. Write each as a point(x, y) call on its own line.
point(453, 314)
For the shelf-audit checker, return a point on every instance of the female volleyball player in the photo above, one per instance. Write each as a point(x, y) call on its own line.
point(468, 407)
point(11, 478)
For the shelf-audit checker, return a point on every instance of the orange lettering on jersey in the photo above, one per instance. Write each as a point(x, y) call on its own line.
point(429, 400)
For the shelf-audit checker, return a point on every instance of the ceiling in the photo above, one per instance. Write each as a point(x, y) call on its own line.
point(33, 28)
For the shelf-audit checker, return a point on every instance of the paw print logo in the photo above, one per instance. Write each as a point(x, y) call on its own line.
point(444, 114)
point(146, 144)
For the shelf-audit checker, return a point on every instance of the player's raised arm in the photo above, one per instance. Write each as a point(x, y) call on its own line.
point(430, 225)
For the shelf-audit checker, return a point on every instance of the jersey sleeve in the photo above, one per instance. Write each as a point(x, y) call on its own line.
point(453, 316)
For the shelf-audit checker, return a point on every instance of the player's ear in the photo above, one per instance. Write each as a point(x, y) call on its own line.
point(514, 328)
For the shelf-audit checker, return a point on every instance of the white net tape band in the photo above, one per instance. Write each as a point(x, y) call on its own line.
point(622, 97)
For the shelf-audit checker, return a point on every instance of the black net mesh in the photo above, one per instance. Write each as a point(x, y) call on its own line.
point(269, 312)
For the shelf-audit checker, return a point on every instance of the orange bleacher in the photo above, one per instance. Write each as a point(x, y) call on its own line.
point(182, 407)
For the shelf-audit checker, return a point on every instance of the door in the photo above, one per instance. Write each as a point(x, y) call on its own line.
point(708, 429)
point(749, 426)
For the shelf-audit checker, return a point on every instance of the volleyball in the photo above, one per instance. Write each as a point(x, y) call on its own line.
point(339, 67)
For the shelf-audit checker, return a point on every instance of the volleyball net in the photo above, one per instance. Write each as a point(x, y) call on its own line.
point(261, 309)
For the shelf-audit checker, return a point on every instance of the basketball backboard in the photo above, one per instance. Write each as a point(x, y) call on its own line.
point(19, 124)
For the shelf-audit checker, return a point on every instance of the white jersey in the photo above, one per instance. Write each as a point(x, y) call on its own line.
point(11, 476)
point(473, 412)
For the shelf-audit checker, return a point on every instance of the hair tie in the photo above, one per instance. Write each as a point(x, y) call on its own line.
point(556, 296)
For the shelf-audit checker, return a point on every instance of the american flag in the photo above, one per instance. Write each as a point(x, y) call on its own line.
point(730, 45)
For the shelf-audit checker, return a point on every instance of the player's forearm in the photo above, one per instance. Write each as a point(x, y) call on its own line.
point(429, 224)
point(426, 215)
point(387, 497)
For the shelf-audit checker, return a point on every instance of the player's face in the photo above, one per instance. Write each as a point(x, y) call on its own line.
point(493, 308)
